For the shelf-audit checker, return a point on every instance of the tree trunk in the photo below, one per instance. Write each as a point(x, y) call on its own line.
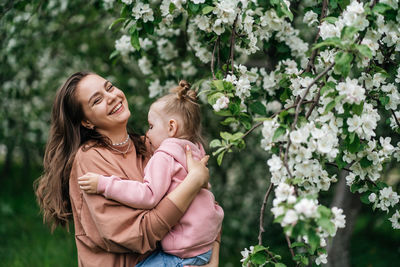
point(338, 249)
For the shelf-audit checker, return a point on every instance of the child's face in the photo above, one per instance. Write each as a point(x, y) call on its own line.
point(158, 126)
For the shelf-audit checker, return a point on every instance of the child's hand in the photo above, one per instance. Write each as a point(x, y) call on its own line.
point(88, 182)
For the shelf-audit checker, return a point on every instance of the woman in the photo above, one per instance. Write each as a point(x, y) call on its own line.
point(88, 134)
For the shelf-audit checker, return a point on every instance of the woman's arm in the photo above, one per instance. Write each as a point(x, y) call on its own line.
point(116, 228)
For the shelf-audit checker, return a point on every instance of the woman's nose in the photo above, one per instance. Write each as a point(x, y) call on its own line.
point(111, 97)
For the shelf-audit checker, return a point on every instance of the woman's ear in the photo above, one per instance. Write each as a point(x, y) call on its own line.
point(172, 128)
point(87, 124)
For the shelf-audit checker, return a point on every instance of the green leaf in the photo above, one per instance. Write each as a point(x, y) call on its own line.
point(229, 120)
point(215, 143)
point(278, 132)
point(234, 108)
point(172, 7)
point(220, 158)
point(384, 100)
point(194, 7)
point(134, 37)
point(327, 225)
point(330, 106)
point(313, 240)
point(219, 84)
point(381, 8)
point(348, 32)
point(352, 135)
point(237, 136)
point(213, 97)
point(358, 109)
point(343, 63)
point(334, 41)
point(258, 258)
point(297, 244)
point(324, 211)
point(331, 20)
point(207, 9)
point(364, 50)
point(258, 108)
point(114, 54)
point(327, 87)
point(116, 22)
point(365, 162)
point(355, 145)
point(225, 135)
point(223, 113)
point(279, 264)
point(354, 187)
point(364, 198)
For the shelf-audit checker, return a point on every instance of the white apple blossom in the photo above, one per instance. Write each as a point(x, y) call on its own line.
point(322, 258)
point(290, 217)
point(310, 18)
point(339, 219)
point(395, 219)
point(307, 207)
point(221, 103)
point(143, 11)
point(387, 198)
point(123, 45)
point(145, 65)
point(372, 197)
point(353, 92)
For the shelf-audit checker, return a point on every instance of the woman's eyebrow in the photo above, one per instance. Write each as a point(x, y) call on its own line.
point(93, 96)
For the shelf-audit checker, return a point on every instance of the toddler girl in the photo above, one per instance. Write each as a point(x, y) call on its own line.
point(174, 124)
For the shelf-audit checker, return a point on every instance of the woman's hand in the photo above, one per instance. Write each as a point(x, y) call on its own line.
point(89, 182)
point(198, 169)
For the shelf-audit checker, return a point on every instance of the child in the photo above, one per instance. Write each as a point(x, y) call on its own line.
point(174, 123)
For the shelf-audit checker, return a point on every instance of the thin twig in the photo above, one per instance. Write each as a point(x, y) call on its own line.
point(262, 214)
point(316, 100)
point(315, 51)
point(212, 59)
point(394, 115)
point(289, 245)
point(232, 42)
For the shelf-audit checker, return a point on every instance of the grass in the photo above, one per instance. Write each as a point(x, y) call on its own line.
point(24, 239)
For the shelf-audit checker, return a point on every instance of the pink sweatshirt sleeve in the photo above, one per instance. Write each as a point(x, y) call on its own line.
point(139, 195)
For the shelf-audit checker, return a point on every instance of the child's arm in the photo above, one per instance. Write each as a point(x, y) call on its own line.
point(135, 194)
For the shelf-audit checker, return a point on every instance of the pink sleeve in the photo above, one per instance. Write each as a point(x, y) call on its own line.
point(139, 195)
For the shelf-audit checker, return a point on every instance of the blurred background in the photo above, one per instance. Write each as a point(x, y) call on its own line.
point(42, 43)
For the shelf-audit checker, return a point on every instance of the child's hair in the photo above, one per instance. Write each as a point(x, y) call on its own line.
point(183, 101)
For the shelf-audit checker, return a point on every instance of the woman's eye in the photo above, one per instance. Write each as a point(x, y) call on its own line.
point(96, 101)
point(150, 127)
point(109, 88)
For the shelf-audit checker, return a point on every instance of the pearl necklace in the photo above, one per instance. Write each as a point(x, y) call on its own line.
point(123, 142)
point(119, 151)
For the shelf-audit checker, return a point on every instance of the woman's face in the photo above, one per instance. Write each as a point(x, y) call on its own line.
point(104, 105)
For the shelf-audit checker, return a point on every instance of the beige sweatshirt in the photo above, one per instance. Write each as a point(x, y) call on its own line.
point(108, 233)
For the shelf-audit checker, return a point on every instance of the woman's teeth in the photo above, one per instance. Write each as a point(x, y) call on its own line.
point(116, 108)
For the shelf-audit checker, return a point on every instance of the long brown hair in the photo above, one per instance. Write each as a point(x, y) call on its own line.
point(66, 136)
point(183, 101)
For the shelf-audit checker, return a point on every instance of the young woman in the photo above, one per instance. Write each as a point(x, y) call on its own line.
point(174, 123)
point(88, 134)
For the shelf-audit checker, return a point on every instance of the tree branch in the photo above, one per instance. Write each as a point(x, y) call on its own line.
point(262, 214)
point(212, 58)
point(394, 115)
point(232, 42)
point(289, 245)
point(314, 53)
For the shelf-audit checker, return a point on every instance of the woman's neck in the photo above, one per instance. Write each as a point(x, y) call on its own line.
point(117, 136)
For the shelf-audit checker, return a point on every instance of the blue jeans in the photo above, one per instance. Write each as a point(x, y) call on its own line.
point(161, 259)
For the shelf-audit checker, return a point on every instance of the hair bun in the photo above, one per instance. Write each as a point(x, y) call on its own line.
point(184, 93)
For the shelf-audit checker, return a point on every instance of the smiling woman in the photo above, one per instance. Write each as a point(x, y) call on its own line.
point(88, 134)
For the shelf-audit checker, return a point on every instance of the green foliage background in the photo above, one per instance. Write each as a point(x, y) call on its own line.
point(44, 42)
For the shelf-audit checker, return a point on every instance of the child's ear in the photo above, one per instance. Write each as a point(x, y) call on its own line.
point(172, 128)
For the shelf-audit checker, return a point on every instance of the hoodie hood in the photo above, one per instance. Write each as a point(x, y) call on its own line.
point(175, 147)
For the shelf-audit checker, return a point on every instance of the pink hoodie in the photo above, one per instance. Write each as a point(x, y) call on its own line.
point(200, 225)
